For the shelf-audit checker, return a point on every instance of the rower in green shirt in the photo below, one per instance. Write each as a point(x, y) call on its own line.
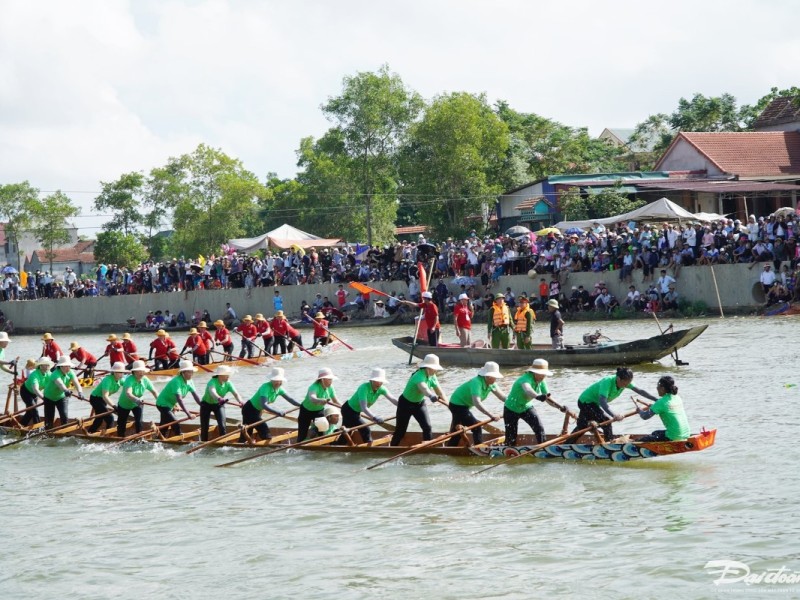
point(360, 402)
point(519, 403)
point(32, 391)
point(214, 400)
point(473, 393)
point(421, 385)
point(100, 398)
point(174, 392)
point(318, 395)
point(57, 391)
point(132, 397)
point(669, 407)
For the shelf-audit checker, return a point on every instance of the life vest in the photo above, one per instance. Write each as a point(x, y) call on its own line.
point(501, 317)
point(521, 323)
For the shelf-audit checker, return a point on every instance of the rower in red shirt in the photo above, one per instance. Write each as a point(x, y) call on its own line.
point(86, 360)
point(265, 331)
point(223, 337)
point(321, 333)
point(50, 349)
point(280, 331)
point(166, 352)
point(294, 337)
point(202, 328)
point(430, 312)
point(197, 346)
point(130, 349)
point(249, 333)
point(115, 350)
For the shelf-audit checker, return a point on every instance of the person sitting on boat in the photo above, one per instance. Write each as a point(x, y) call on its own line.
point(326, 424)
point(266, 395)
point(593, 401)
point(422, 385)
point(473, 393)
point(318, 395)
point(131, 397)
point(100, 398)
point(32, 391)
point(178, 388)
point(50, 348)
point(499, 322)
point(248, 332)
point(129, 347)
point(195, 344)
point(214, 400)
point(669, 407)
point(524, 318)
point(379, 310)
point(322, 337)
point(114, 350)
point(360, 402)
point(166, 352)
point(222, 337)
point(265, 331)
point(57, 391)
point(519, 403)
point(280, 330)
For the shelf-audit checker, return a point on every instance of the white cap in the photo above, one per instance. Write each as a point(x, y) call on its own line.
point(186, 365)
point(431, 361)
point(277, 374)
point(463, 297)
point(491, 369)
point(326, 373)
point(223, 370)
point(118, 367)
point(44, 362)
point(378, 375)
point(4, 337)
point(64, 361)
point(138, 365)
point(540, 367)
point(321, 423)
point(427, 295)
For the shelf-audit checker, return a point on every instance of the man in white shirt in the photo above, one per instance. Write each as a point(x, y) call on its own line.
point(767, 278)
point(663, 282)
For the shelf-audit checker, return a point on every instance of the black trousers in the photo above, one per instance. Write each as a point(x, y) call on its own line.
point(278, 344)
point(122, 419)
point(267, 344)
point(659, 435)
point(32, 415)
point(588, 413)
point(206, 410)
point(320, 341)
point(462, 415)
point(433, 337)
point(50, 408)
point(202, 359)
point(351, 418)
point(248, 348)
point(228, 349)
point(511, 418)
point(406, 410)
point(304, 419)
point(99, 405)
point(166, 418)
point(250, 415)
point(294, 340)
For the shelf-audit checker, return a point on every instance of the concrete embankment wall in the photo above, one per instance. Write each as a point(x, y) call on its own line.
point(737, 284)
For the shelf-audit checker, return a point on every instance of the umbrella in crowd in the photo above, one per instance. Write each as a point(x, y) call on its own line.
point(517, 230)
point(464, 280)
point(9, 269)
point(548, 231)
point(574, 231)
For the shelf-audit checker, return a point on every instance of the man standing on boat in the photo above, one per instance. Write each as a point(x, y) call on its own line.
point(523, 324)
point(556, 324)
point(463, 313)
point(248, 331)
point(499, 322)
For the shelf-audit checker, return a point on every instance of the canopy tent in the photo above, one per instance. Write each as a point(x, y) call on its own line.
point(284, 236)
point(660, 210)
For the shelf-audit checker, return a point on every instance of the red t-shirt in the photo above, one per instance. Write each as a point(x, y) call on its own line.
point(320, 327)
point(431, 313)
point(341, 295)
point(463, 316)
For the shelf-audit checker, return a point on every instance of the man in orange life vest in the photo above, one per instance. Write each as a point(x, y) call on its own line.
point(499, 322)
point(524, 318)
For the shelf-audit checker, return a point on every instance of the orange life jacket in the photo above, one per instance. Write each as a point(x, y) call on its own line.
point(501, 317)
point(521, 323)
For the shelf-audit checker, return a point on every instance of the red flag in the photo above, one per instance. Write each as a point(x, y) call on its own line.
point(423, 279)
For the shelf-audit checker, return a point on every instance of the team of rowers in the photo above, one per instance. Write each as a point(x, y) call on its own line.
point(53, 383)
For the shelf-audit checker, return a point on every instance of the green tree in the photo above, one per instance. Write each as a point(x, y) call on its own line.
point(606, 203)
point(749, 113)
point(703, 113)
point(16, 203)
point(49, 221)
point(123, 198)
point(116, 247)
point(370, 116)
point(452, 161)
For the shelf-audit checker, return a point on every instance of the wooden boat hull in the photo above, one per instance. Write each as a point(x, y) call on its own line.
point(607, 354)
point(590, 450)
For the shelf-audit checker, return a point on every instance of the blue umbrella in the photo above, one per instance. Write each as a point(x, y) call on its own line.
point(574, 231)
point(9, 269)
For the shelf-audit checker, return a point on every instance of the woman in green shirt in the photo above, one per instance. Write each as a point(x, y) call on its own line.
point(421, 385)
point(33, 389)
point(364, 397)
point(174, 392)
point(214, 400)
point(266, 395)
point(319, 394)
point(670, 408)
point(593, 402)
point(100, 398)
point(473, 393)
point(131, 398)
point(57, 391)
point(519, 403)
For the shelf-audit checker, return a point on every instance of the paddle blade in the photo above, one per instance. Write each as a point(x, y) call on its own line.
point(423, 278)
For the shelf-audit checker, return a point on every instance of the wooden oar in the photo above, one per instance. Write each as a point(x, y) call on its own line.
point(228, 436)
point(5, 418)
point(260, 349)
point(552, 442)
point(563, 409)
point(432, 442)
point(151, 431)
point(305, 350)
point(305, 442)
point(255, 363)
point(333, 335)
point(203, 367)
point(673, 354)
point(56, 429)
point(382, 424)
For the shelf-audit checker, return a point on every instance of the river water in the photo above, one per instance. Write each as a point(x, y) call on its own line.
point(83, 521)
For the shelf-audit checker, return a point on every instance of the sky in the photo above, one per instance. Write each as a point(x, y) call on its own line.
point(92, 89)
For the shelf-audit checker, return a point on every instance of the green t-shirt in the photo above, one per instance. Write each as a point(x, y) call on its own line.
point(137, 388)
point(367, 394)
point(321, 393)
point(219, 387)
point(670, 409)
point(108, 384)
point(607, 387)
point(412, 393)
point(517, 401)
point(51, 391)
point(477, 386)
point(36, 377)
point(168, 397)
point(266, 394)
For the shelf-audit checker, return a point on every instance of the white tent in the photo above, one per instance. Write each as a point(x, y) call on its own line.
point(660, 210)
point(284, 236)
